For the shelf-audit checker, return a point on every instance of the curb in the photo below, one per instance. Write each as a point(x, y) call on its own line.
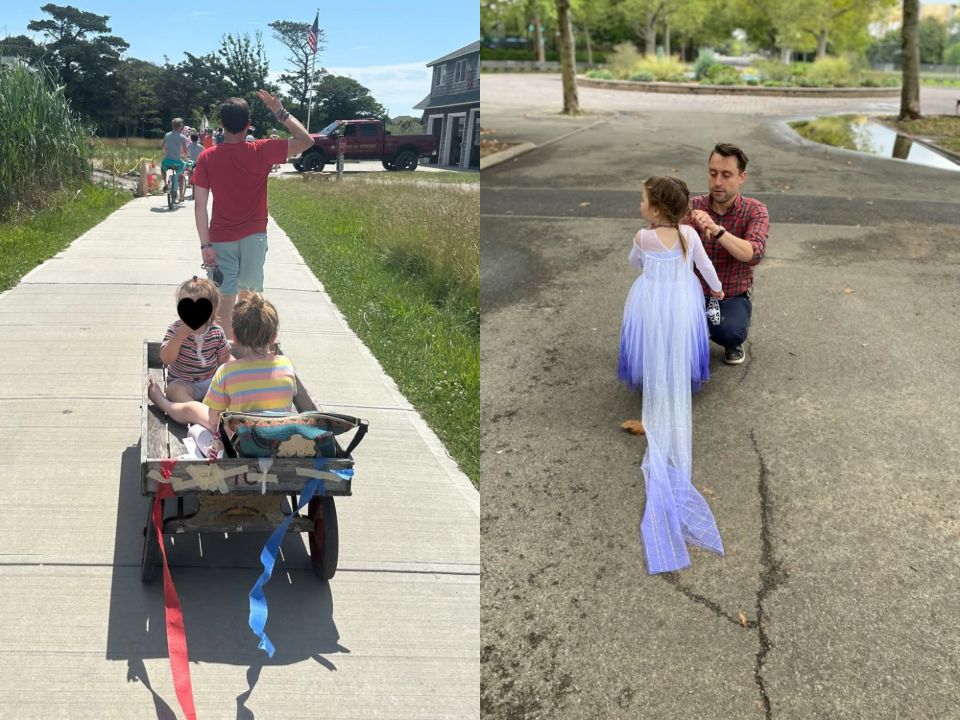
point(697, 89)
point(504, 155)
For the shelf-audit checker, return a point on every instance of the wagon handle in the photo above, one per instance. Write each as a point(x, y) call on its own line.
point(362, 427)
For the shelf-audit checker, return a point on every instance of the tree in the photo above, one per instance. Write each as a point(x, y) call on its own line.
point(910, 87)
point(245, 70)
point(343, 98)
point(568, 59)
point(22, 47)
point(299, 77)
point(932, 38)
point(86, 59)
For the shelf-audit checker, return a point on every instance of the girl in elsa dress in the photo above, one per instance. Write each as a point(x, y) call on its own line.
point(664, 352)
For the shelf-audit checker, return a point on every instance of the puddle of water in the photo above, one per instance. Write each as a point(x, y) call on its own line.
point(858, 132)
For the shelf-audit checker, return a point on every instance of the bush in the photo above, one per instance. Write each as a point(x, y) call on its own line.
point(600, 74)
point(623, 59)
point(705, 61)
point(722, 75)
point(43, 146)
point(773, 72)
point(951, 56)
point(665, 69)
point(642, 76)
point(832, 72)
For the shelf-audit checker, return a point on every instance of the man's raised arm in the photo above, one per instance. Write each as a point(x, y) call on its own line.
point(301, 139)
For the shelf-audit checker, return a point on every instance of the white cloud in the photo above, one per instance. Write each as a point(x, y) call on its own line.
point(396, 87)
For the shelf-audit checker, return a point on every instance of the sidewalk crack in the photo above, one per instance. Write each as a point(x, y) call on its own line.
point(772, 576)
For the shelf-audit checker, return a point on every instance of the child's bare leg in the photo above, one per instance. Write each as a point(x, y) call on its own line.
point(225, 315)
point(182, 412)
point(179, 392)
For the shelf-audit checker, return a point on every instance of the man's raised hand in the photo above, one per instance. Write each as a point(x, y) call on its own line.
point(269, 100)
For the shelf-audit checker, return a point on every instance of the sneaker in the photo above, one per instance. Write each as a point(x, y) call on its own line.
point(734, 355)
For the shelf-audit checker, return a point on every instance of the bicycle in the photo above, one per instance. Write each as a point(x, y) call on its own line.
point(172, 180)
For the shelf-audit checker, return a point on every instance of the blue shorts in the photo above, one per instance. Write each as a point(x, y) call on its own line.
point(168, 163)
point(241, 262)
point(197, 387)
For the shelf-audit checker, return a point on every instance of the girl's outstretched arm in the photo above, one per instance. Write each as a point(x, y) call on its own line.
point(702, 261)
point(636, 257)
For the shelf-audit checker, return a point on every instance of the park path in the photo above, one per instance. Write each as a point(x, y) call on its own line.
point(828, 458)
point(394, 635)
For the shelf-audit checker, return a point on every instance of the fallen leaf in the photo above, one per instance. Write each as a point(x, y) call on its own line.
point(743, 618)
point(847, 291)
point(633, 426)
point(707, 491)
point(584, 204)
point(786, 187)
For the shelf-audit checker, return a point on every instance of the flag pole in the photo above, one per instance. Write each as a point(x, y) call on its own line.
point(313, 67)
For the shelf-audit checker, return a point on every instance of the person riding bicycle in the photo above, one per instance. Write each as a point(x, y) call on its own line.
point(174, 152)
point(193, 151)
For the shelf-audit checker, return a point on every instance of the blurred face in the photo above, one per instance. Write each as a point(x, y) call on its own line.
point(724, 179)
point(651, 215)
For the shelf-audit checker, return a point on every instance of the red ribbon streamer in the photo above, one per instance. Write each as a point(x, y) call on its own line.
point(176, 636)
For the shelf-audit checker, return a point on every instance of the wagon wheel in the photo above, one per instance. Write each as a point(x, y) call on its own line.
point(325, 537)
point(150, 557)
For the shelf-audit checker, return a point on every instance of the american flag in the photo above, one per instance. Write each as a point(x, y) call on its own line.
point(314, 32)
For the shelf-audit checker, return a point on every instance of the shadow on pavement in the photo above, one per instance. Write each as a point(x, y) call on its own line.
point(213, 576)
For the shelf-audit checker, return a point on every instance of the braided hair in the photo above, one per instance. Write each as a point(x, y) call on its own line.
point(671, 198)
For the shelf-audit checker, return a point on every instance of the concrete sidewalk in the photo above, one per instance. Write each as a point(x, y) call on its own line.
point(394, 635)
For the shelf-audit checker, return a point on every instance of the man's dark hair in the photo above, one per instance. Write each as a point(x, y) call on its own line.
point(194, 137)
point(728, 150)
point(235, 115)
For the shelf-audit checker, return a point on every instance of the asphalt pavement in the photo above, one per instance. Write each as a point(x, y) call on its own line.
point(828, 457)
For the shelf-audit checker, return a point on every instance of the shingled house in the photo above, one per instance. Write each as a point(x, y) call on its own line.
point(451, 112)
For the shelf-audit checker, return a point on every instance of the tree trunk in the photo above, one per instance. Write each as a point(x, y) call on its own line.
point(650, 35)
point(785, 55)
point(538, 37)
point(822, 44)
point(901, 147)
point(589, 41)
point(666, 36)
point(910, 84)
point(568, 59)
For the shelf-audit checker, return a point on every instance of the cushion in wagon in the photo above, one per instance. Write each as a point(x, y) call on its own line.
point(307, 434)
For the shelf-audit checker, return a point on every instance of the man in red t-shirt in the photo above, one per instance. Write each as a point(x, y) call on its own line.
point(236, 172)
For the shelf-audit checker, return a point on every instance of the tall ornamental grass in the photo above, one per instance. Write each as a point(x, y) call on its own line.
point(43, 146)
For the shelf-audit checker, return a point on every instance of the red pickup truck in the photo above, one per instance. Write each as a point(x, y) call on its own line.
point(365, 140)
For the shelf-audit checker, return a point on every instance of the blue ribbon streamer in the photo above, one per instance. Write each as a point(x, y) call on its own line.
point(268, 557)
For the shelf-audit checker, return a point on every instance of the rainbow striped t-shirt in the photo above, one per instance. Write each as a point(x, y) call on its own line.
point(253, 385)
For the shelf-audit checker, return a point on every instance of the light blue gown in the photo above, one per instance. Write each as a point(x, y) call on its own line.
point(664, 350)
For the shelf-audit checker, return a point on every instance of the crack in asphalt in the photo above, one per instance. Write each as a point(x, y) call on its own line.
point(772, 576)
point(674, 579)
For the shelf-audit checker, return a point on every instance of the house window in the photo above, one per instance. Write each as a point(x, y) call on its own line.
point(476, 129)
point(461, 71)
point(441, 74)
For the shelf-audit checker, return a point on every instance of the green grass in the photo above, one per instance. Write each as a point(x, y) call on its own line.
point(43, 145)
point(32, 239)
point(121, 155)
point(835, 130)
point(401, 260)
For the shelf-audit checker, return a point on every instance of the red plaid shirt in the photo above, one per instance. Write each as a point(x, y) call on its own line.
point(747, 219)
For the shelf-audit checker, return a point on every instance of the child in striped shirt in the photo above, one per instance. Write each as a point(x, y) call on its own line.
point(191, 356)
point(259, 380)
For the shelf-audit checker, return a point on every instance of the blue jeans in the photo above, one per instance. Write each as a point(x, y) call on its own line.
point(735, 321)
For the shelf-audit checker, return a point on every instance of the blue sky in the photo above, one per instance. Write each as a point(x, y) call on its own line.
point(383, 45)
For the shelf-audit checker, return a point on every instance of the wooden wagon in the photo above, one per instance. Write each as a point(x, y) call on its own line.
point(240, 494)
